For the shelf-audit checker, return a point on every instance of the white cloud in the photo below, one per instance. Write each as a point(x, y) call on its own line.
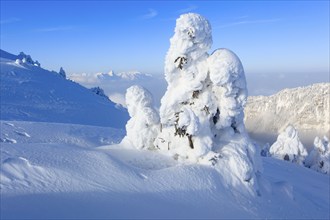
point(151, 14)
point(9, 20)
point(84, 78)
point(190, 8)
point(54, 29)
point(248, 22)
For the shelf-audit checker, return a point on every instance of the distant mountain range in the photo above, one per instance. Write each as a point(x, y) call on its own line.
point(31, 93)
point(306, 108)
point(116, 84)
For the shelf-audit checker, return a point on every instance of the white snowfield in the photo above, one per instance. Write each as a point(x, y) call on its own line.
point(306, 108)
point(58, 172)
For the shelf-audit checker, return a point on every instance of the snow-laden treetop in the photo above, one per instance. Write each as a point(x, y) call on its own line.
point(192, 33)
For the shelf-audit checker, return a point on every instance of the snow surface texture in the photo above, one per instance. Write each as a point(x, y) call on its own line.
point(30, 93)
point(306, 108)
point(143, 126)
point(57, 173)
point(319, 157)
point(201, 113)
point(288, 147)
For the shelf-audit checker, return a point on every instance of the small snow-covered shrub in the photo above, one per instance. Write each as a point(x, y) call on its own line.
point(319, 157)
point(265, 150)
point(99, 91)
point(288, 146)
point(143, 126)
point(36, 63)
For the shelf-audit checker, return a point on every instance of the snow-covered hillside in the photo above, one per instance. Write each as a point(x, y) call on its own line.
point(31, 93)
point(306, 108)
point(56, 171)
point(116, 84)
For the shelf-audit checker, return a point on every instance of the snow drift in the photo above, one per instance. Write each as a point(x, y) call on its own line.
point(59, 172)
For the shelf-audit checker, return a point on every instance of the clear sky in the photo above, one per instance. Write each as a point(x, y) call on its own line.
point(98, 36)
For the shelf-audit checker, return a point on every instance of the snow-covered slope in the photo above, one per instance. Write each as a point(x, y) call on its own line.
point(306, 108)
point(51, 173)
point(31, 93)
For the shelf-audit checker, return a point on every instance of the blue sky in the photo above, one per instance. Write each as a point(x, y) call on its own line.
point(97, 36)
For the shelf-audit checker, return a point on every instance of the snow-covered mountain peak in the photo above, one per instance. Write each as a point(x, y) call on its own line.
point(132, 75)
point(99, 77)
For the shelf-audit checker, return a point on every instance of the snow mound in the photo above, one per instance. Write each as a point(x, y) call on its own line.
point(30, 93)
point(288, 146)
point(19, 172)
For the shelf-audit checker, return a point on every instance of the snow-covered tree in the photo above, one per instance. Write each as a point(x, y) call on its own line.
point(99, 91)
point(184, 110)
point(18, 61)
point(288, 146)
point(201, 113)
point(143, 126)
point(62, 72)
point(36, 63)
point(265, 150)
point(25, 58)
point(319, 157)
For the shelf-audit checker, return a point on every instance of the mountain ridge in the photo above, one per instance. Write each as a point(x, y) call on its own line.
point(306, 108)
point(31, 93)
